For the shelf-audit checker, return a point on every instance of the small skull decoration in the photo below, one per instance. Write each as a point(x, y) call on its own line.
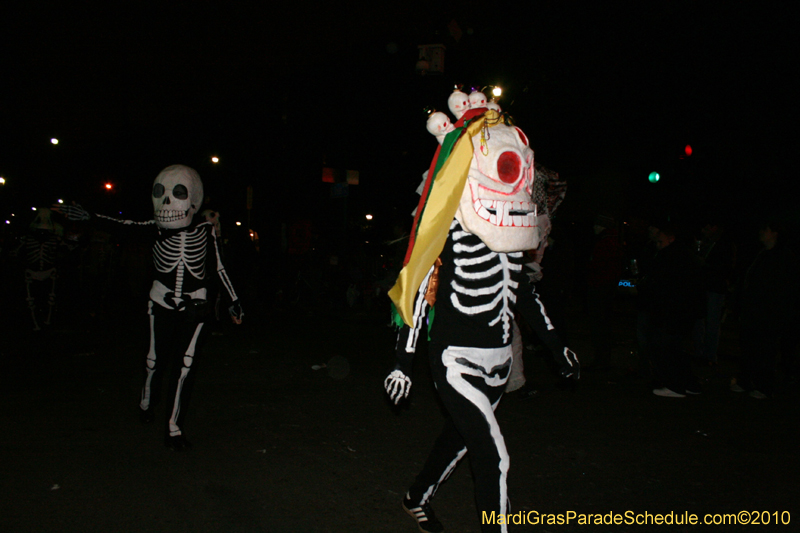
point(496, 203)
point(177, 193)
point(458, 103)
point(439, 125)
point(477, 99)
point(493, 105)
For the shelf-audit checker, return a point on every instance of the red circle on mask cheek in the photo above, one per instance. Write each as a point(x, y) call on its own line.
point(508, 167)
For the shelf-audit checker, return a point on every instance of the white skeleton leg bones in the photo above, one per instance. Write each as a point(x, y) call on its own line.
point(179, 256)
point(481, 289)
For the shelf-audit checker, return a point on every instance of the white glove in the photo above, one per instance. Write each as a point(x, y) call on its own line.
point(534, 271)
point(569, 366)
point(72, 212)
point(397, 385)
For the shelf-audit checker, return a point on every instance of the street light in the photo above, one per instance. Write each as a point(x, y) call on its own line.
point(53, 141)
point(215, 159)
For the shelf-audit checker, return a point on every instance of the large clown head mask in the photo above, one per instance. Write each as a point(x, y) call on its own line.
point(496, 202)
point(177, 193)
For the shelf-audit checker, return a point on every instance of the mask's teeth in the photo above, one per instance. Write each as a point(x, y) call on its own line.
point(502, 213)
point(164, 215)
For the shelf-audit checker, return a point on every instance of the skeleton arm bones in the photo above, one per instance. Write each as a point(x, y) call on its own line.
point(77, 212)
point(532, 310)
point(398, 382)
point(235, 309)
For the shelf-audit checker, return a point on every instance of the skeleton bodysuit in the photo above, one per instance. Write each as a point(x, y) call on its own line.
point(178, 298)
point(480, 293)
point(39, 249)
point(182, 253)
point(480, 289)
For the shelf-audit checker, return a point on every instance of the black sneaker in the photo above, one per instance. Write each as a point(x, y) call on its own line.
point(178, 443)
point(423, 514)
point(146, 415)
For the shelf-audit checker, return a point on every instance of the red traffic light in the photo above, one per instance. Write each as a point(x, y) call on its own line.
point(688, 150)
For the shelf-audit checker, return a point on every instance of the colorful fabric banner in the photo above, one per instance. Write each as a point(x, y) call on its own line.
point(437, 208)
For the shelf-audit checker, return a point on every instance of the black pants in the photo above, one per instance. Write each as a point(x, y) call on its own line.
point(759, 344)
point(600, 308)
point(173, 346)
point(672, 365)
point(470, 384)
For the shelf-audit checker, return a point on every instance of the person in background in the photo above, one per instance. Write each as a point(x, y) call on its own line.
point(768, 303)
point(671, 296)
point(717, 257)
point(602, 279)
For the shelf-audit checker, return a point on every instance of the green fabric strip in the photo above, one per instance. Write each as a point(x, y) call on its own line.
point(447, 147)
point(397, 320)
point(431, 314)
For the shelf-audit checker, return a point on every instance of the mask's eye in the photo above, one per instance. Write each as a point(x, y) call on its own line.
point(180, 192)
point(509, 166)
point(158, 190)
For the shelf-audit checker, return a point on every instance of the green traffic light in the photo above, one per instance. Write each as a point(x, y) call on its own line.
point(654, 177)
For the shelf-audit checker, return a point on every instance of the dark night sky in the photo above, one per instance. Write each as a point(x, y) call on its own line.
point(606, 94)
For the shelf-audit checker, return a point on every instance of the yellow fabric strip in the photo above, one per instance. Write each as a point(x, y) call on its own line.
point(435, 224)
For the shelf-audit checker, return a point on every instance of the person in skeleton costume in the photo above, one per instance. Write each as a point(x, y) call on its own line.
point(178, 304)
point(463, 269)
point(39, 248)
point(215, 294)
point(548, 193)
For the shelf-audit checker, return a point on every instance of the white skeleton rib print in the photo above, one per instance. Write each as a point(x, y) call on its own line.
point(180, 263)
point(40, 250)
point(181, 252)
point(475, 263)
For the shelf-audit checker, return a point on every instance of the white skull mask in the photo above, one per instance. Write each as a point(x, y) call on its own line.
point(496, 203)
point(177, 193)
point(458, 103)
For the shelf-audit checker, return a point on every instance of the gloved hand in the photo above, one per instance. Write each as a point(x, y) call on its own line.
point(397, 385)
point(534, 272)
point(569, 366)
point(72, 212)
point(236, 312)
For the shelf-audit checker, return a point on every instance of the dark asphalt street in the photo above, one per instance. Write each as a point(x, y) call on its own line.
point(280, 447)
